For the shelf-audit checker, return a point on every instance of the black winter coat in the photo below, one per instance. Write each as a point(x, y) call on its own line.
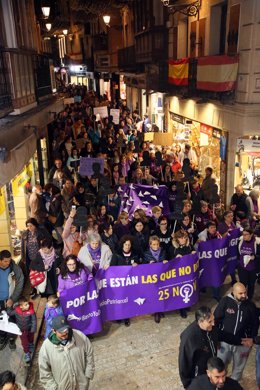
point(237, 318)
point(196, 347)
point(120, 259)
point(202, 383)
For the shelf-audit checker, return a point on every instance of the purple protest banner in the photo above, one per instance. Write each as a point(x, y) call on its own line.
point(80, 305)
point(89, 166)
point(136, 196)
point(218, 258)
point(232, 255)
point(126, 291)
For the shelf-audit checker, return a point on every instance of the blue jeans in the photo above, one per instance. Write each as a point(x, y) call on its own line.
point(257, 366)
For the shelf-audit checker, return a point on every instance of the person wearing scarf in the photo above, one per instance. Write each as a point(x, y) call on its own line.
point(95, 254)
point(48, 260)
point(155, 254)
point(249, 255)
point(180, 246)
point(126, 255)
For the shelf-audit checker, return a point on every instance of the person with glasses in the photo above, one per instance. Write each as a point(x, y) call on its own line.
point(249, 256)
point(72, 274)
point(7, 381)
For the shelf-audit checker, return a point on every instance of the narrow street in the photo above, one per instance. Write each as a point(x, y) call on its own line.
point(143, 356)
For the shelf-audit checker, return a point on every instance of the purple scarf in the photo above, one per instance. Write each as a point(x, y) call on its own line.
point(95, 254)
point(156, 254)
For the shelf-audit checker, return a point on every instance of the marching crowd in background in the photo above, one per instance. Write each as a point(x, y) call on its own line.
point(58, 254)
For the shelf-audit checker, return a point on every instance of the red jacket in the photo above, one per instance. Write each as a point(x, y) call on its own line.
point(25, 320)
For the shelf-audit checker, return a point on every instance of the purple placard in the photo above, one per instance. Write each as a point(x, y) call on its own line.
point(218, 258)
point(91, 166)
point(80, 305)
point(136, 196)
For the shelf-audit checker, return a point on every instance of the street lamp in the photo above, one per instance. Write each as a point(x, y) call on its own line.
point(106, 19)
point(65, 32)
point(48, 26)
point(46, 11)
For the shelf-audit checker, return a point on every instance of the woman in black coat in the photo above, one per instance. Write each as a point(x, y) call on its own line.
point(48, 260)
point(125, 256)
point(180, 247)
point(31, 241)
point(155, 254)
point(140, 233)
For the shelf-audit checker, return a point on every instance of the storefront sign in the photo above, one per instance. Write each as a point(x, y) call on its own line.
point(216, 133)
point(177, 118)
point(102, 111)
point(19, 181)
point(248, 145)
point(206, 129)
point(115, 113)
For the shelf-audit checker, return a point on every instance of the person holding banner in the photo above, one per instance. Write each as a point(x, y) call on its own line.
point(155, 254)
point(249, 256)
point(95, 254)
point(72, 274)
point(125, 255)
point(180, 246)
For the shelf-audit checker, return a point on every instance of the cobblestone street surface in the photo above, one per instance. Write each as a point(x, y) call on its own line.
point(143, 356)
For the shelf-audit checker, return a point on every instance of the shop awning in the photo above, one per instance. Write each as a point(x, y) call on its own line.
point(18, 136)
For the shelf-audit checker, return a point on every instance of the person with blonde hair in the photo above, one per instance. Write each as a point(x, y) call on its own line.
point(122, 225)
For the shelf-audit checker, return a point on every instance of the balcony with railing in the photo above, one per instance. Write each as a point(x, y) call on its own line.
point(126, 58)
point(151, 45)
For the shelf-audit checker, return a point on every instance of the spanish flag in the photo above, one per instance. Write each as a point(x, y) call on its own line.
point(178, 71)
point(217, 73)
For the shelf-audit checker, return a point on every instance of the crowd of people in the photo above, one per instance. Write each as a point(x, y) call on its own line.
point(59, 253)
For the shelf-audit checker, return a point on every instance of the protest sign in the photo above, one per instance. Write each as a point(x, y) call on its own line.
point(102, 111)
point(218, 258)
point(80, 305)
point(91, 166)
point(115, 113)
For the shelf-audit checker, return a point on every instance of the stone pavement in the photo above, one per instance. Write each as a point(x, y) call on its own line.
point(13, 360)
point(145, 355)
